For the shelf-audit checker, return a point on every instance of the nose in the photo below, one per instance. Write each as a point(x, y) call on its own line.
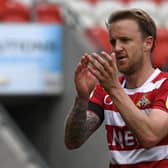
point(118, 46)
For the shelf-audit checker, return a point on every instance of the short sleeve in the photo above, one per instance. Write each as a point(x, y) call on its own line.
point(96, 101)
point(97, 95)
point(161, 97)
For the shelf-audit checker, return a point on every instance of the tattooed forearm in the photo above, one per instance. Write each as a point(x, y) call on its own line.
point(80, 124)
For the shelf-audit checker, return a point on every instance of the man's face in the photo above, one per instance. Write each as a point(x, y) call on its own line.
point(128, 44)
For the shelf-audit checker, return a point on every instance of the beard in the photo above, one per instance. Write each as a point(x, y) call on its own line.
point(130, 68)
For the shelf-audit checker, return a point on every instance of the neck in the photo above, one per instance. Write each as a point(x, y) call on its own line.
point(138, 78)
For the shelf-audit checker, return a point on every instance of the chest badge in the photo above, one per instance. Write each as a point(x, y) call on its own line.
point(144, 101)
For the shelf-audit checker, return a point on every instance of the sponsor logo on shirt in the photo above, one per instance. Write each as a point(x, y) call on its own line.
point(167, 102)
point(107, 100)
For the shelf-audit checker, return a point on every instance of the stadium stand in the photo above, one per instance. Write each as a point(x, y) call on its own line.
point(26, 2)
point(94, 26)
point(14, 11)
point(15, 150)
point(104, 8)
point(163, 13)
point(82, 12)
point(99, 37)
point(88, 17)
point(48, 13)
point(160, 55)
point(149, 6)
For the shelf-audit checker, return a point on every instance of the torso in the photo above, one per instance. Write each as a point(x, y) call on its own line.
point(124, 147)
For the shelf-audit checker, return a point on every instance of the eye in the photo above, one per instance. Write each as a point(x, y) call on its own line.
point(125, 39)
point(113, 42)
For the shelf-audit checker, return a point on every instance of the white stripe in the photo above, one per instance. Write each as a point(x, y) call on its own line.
point(140, 155)
point(147, 86)
point(154, 74)
point(115, 119)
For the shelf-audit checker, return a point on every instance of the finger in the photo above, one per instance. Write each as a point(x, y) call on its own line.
point(105, 60)
point(97, 69)
point(100, 58)
point(84, 59)
point(106, 56)
point(82, 64)
point(111, 59)
point(78, 68)
point(98, 75)
point(97, 63)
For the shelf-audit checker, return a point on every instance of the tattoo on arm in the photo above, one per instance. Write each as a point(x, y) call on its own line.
point(80, 124)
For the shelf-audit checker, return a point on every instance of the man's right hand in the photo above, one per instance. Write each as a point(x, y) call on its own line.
point(84, 80)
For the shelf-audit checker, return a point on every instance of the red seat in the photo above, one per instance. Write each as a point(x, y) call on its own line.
point(99, 37)
point(92, 1)
point(160, 54)
point(158, 1)
point(125, 1)
point(15, 12)
point(48, 13)
point(2, 5)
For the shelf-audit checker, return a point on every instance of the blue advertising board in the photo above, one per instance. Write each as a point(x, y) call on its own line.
point(31, 59)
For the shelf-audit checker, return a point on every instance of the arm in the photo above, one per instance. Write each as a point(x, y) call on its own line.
point(80, 124)
point(149, 129)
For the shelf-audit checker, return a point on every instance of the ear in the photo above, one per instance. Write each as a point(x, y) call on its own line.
point(148, 43)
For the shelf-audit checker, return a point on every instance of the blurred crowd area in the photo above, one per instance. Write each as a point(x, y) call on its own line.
point(88, 17)
point(28, 11)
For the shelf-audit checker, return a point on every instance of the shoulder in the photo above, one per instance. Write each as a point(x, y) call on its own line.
point(161, 76)
point(161, 79)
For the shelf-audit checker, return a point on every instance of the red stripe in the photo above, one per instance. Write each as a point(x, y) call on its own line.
point(153, 164)
point(117, 146)
point(136, 98)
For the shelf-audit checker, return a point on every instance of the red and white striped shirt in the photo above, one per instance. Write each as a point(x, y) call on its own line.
point(124, 148)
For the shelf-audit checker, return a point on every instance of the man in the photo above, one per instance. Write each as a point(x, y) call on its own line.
point(134, 107)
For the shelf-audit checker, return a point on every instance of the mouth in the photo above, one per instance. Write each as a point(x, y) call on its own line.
point(121, 57)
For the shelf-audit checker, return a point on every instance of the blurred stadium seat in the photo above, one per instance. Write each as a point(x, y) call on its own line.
point(2, 3)
point(14, 11)
point(163, 13)
point(48, 13)
point(159, 1)
point(160, 55)
point(99, 37)
point(125, 1)
point(26, 2)
point(150, 6)
point(82, 12)
point(104, 8)
point(92, 1)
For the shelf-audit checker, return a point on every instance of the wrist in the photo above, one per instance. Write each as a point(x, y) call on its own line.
point(81, 100)
point(115, 92)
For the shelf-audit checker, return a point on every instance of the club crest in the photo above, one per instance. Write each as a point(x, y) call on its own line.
point(144, 101)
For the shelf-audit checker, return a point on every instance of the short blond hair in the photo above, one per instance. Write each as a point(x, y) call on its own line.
point(146, 24)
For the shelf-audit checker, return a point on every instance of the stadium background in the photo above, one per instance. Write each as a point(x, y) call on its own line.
point(32, 117)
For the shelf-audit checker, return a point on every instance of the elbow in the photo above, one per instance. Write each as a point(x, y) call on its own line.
point(149, 142)
point(70, 145)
